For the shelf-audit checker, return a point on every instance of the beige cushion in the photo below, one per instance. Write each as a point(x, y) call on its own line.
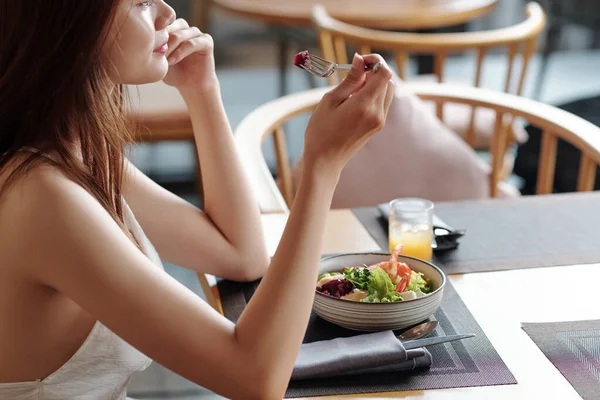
point(458, 117)
point(414, 155)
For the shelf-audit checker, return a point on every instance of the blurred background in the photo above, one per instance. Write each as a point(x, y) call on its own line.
point(250, 53)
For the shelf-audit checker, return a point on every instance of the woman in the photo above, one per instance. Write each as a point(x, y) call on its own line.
point(84, 302)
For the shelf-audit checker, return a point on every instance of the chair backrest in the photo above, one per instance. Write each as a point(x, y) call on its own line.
point(160, 112)
point(520, 39)
point(554, 122)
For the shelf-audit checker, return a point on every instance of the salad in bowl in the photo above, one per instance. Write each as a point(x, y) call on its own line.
point(380, 292)
point(383, 282)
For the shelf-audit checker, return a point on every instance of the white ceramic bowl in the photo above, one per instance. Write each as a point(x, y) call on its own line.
point(379, 316)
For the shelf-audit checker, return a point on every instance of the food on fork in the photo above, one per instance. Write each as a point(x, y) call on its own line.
point(384, 282)
point(302, 59)
point(323, 68)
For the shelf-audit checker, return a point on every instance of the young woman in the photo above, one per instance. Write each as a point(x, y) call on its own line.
point(84, 301)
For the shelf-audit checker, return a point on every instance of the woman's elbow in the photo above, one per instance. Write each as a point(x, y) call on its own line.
point(268, 388)
point(248, 268)
point(253, 272)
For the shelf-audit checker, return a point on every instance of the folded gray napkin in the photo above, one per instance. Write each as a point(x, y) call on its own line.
point(362, 354)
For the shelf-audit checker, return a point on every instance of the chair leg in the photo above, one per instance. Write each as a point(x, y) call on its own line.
point(199, 13)
point(282, 46)
point(209, 292)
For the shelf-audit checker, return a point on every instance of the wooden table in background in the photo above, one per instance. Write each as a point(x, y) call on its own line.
point(499, 301)
point(383, 14)
point(289, 15)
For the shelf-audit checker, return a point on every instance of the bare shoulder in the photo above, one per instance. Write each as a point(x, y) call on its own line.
point(40, 191)
point(42, 179)
point(40, 214)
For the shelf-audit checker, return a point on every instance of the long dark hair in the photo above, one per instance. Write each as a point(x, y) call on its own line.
point(55, 91)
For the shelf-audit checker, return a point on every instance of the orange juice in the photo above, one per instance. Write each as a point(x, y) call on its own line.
point(415, 240)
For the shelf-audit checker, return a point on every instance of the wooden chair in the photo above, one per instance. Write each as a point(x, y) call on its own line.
point(200, 14)
point(555, 123)
point(584, 13)
point(334, 36)
point(162, 115)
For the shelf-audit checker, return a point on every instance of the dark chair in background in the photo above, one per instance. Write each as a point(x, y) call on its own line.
point(561, 13)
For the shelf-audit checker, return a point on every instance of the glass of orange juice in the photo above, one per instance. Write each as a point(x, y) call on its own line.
point(411, 225)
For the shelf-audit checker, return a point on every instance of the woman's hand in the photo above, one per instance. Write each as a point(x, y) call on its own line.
point(348, 115)
point(190, 57)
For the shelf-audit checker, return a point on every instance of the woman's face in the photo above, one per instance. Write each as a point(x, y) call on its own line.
point(136, 48)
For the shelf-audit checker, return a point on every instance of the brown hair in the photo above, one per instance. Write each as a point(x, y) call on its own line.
point(55, 91)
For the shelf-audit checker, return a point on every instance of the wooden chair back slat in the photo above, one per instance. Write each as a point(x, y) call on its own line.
point(547, 163)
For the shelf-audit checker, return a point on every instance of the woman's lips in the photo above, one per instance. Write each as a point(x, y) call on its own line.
point(162, 49)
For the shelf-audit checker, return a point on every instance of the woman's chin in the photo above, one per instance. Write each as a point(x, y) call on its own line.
point(158, 69)
point(154, 73)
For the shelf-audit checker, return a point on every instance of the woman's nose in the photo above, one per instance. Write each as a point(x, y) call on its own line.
point(166, 16)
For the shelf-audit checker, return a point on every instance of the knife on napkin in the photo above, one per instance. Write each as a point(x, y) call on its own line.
point(413, 344)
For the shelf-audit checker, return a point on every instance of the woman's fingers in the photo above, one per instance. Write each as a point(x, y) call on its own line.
point(373, 100)
point(177, 37)
point(178, 25)
point(180, 35)
point(351, 83)
point(376, 85)
point(356, 79)
point(372, 59)
point(187, 41)
point(389, 96)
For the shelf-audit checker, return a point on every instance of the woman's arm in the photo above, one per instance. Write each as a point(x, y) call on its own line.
point(227, 240)
point(184, 235)
point(66, 241)
point(228, 198)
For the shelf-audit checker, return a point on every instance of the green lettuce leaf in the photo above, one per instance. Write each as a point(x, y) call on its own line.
point(381, 288)
point(417, 282)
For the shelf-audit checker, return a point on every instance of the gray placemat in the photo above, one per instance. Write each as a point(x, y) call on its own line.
point(504, 234)
point(472, 362)
point(574, 349)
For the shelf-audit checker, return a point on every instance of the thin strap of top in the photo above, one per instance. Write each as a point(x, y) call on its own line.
point(37, 151)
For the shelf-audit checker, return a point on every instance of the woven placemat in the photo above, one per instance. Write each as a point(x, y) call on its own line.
point(574, 349)
point(471, 362)
point(504, 234)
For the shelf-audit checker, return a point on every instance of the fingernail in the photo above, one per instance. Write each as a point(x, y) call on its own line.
point(355, 61)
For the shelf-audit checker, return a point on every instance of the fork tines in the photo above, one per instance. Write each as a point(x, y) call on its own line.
point(319, 65)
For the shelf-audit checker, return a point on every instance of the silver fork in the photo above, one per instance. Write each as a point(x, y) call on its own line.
point(323, 68)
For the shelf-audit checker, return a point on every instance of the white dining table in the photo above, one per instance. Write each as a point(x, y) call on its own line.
point(499, 301)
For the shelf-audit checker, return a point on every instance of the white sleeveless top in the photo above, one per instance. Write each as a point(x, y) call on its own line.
point(101, 367)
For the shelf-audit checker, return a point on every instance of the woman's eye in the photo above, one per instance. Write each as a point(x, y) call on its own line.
point(149, 3)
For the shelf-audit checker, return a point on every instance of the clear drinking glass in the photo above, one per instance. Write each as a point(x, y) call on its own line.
point(411, 225)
